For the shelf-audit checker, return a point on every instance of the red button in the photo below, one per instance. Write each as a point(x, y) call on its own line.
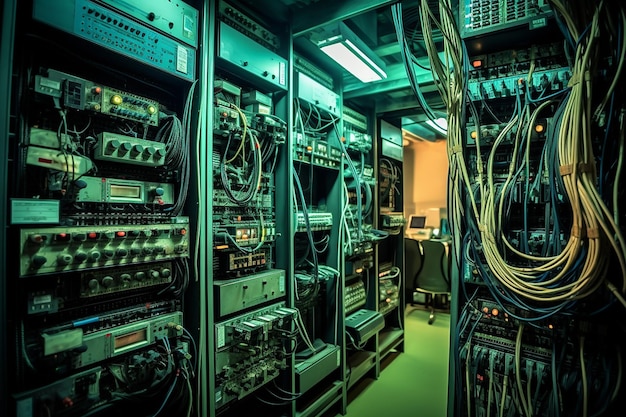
point(92, 235)
point(36, 238)
point(120, 234)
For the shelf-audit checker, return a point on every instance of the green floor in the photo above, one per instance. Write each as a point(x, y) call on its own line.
point(414, 383)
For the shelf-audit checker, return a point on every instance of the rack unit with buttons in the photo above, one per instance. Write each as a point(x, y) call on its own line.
point(110, 29)
point(56, 249)
point(101, 231)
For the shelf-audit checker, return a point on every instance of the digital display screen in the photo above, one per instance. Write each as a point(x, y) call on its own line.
point(125, 191)
point(129, 339)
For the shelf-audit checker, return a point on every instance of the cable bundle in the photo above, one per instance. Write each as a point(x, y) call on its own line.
point(578, 267)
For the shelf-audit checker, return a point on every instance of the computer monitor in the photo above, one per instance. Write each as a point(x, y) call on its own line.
point(417, 222)
point(417, 229)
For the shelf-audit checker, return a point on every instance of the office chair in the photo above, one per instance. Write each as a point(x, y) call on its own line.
point(412, 266)
point(433, 279)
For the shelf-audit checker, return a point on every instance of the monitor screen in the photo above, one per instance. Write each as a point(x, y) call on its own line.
point(417, 222)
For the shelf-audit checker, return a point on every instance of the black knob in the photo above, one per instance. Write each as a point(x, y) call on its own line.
point(80, 256)
point(107, 281)
point(39, 261)
point(151, 16)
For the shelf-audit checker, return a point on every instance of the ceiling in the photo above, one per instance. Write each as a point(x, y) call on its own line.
point(393, 97)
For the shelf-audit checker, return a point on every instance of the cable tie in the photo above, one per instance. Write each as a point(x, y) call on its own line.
point(575, 79)
point(577, 231)
point(566, 169)
point(593, 233)
point(456, 149)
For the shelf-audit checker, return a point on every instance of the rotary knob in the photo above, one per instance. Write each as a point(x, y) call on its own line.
point(126, 278)
point(165, 273)
point(93, 284)
point(107, 281)
point(79, 237)
point(80, 256)
point(39, 261)
point(154, 274)
point(140, 276)
point(126, 146)
point(94, 255)
point(115, 144)
point(116, 99)
point(64, 259)
point(121, 252)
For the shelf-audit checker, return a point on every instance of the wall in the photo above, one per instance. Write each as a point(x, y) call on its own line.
point(425, 179)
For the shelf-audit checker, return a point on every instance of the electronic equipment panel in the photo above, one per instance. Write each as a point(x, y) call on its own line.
point(535, 118)
point(480, 17)
point(108, 28)
point(240, 372)
point(101, 236)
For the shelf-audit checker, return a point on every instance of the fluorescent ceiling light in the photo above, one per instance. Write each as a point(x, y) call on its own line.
point(440, 125)
point(344, 47)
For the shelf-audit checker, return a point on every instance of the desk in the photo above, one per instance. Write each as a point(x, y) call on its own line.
point(420, 234)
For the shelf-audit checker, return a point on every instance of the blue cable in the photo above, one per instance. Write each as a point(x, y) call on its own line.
point(167, 397)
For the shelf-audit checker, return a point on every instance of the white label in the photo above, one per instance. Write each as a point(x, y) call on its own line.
point(281, 284)
point(34, 211)
point(220, 336)
point(47, 82)
point(338, 357)
point(189, 27)
point(42, 299)
point(282, 73)
point(181, 59)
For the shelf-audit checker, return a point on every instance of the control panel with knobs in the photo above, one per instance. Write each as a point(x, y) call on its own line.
point(129, 150)
point(107, 281)
point(60, 249)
